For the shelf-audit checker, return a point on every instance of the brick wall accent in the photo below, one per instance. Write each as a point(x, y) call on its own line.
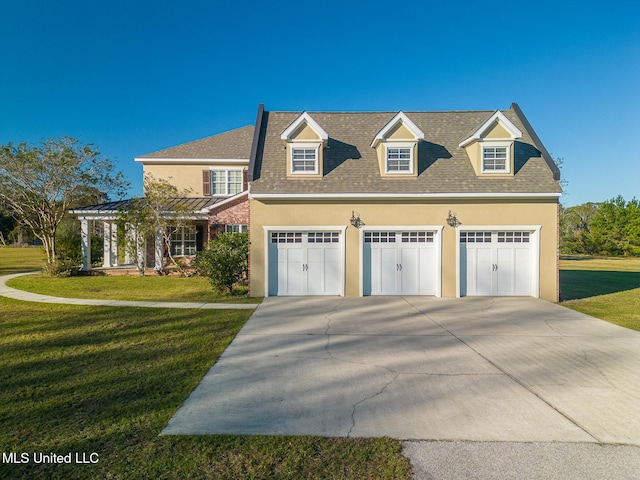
point(235, 212)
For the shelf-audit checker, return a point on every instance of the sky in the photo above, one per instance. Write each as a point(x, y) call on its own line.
point(134, 77)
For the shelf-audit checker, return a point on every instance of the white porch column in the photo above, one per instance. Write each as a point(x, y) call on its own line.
point(158, 253)
point(114, 244)
point(106, 257)
point(129, 242)
point(86, 244)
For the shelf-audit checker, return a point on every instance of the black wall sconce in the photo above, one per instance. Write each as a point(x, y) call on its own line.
point(355, 219)
point(452, 220)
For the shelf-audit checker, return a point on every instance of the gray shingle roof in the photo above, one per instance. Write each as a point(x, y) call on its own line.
point(351, 165)
point(234, 144)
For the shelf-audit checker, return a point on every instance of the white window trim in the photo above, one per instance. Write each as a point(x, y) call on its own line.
point(242, 227)
point(184, 232)
point(226, 185)
point(307, 146)
point(410, 146)
point(507, 145)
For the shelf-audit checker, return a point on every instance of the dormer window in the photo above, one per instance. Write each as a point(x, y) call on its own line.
point(304, 141)
point(396, 145)
point(304, 159)
point(399, 160)
point(495, 159)
point(491, 147)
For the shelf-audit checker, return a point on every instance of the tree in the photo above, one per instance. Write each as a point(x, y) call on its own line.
point(38, 184)
point(160, 213)
point(226, 261)
point(575, 229)
point(615, 228)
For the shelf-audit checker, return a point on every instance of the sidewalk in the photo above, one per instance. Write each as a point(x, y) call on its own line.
point(9, 292)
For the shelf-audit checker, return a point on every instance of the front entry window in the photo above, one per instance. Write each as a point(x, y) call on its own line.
point(183, 242)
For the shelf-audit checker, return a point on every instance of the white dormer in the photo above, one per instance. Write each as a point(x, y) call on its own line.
point(396, 145)
point(491, 146)
point(304, 140)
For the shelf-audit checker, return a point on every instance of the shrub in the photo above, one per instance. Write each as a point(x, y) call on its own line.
point(225, 262)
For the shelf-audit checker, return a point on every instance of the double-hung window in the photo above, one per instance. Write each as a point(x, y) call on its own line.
point(495, 159)
point(226, 182)
point(304, 160)
point(183, 242)
point(399, 160)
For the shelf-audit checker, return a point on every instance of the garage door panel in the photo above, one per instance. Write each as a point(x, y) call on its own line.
point(399, 263)
point(523, 271)
point(387, 271)
point(482, 271)
point(495, 263)
point(291, 282)
point(427, 285)
point(305, 263)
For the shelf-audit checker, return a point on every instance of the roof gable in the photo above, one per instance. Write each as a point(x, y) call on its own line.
point(399, 124)
point(497, 122)
point(304, 127)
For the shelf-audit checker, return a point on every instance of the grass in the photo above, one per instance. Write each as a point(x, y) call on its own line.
point(606, 288)
point(135, 287)
point(104, 380)
point(16, 260)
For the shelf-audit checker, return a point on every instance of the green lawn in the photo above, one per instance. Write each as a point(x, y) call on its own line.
point(16, 260)
point(606, 288)
point(104, 380)
point(134, 287)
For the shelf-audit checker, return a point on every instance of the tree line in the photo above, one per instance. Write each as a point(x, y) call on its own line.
point(610, 228)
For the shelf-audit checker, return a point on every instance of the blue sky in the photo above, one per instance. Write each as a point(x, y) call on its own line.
point(135, 77)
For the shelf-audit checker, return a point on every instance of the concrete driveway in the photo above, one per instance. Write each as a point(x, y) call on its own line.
point(422, 368)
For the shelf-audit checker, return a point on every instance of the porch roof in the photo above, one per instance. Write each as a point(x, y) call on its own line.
point(199, 205)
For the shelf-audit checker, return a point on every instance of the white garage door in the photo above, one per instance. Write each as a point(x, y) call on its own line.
point(305, 263)
point(399, 263)
point(495, 263)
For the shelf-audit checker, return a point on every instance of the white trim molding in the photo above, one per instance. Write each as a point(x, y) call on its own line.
point(399, 118)
point(304, 117)
point(498, 116)
point(195, 161)
point(401, 196)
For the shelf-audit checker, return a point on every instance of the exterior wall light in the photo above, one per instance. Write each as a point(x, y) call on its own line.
point(452, 219)
point(355, 219)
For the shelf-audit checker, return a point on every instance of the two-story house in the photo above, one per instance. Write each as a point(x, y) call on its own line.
point(381, 203)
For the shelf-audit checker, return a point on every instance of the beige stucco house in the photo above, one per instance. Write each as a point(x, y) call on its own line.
point(411, 203)
point(447, 204)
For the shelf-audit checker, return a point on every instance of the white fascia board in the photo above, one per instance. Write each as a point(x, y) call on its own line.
point(400, 117)
point(143, 160)
point(514, 131)
point(349, 196)
point(304, 118)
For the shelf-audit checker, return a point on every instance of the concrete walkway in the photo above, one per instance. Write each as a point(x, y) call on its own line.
point(9, 292)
